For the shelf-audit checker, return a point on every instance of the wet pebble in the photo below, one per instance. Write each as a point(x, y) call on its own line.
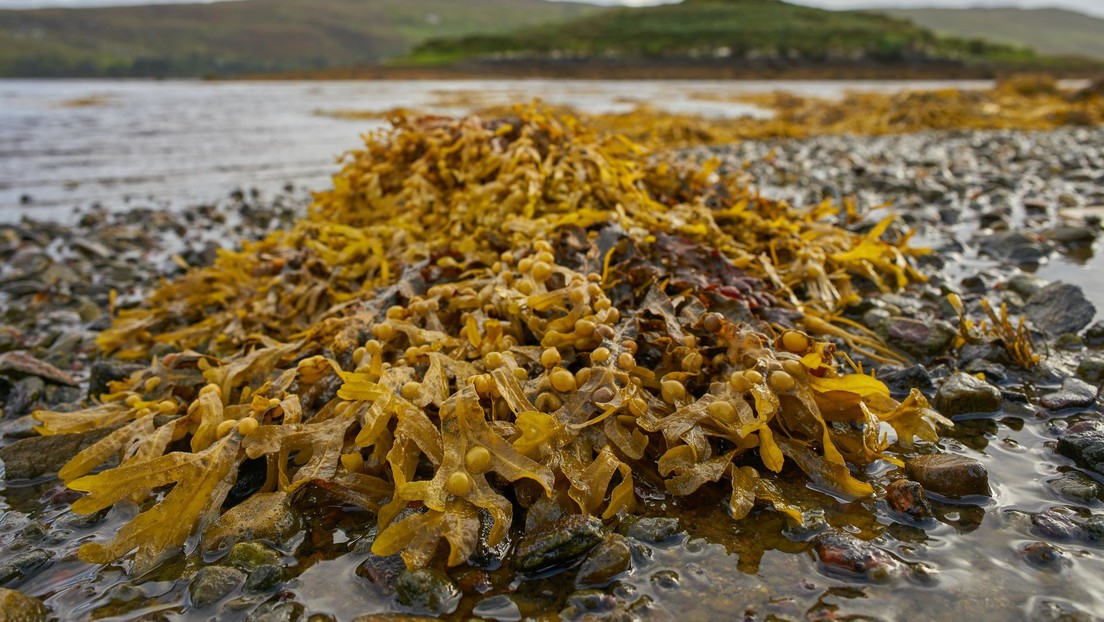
point(1075, 486)
point(605, 561)
point(1060, 308)
point(652, 529)
point(922, 338)
point(1085, 446)
point(1045, 556)
point(907, 497)
point(950, 475)
point(213, 583)
point(1051, 525)
point(963, 394)
point(18, 607)
point(1091, 370)
point(842, 553)
point(559, 543)
point(1075, 393)
point(499, 607)
point(426, 591)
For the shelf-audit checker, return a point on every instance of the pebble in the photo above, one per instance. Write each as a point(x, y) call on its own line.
point(907, 497)
point(1075, 486)
point(558, 543)
point(18, 607)
point(922, 338)
point(963, 394)
point(1084, 446)
point(1075, 393)
point(1060, 308)
point(264, 516)
point(213, 583)
point(652, 529)
point(499, 607)
point(843, 553)
point(1045, 556)
point(605, 561)
point(950, 475)
point(38, 455)
point(426, 591)
point(1091, 370)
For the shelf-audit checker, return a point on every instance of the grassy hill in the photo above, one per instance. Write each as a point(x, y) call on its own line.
point(248, 36)
point(721, 29)
point(1049, 31)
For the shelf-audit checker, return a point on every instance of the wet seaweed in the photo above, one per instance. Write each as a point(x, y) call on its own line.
point(490, 314)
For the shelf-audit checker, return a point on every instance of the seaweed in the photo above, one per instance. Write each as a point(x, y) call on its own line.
point(488, 313)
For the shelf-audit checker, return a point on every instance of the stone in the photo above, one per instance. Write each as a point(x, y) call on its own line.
point(901, 381)
point(1085, 447)
point(991, 370)
point(1075, 393)
point(264, 516)
point(249, 556)
point(605, 561)
point(23, 565)
point(1054, 526)
point(264, 577)
point(20, 364)
point(950, 475)
point(1045, 556)
point(842, 553)
point(917, 337)
point(1091, 370)
point(36, 456)
point(213, 583)
point(558, 543)
point(426, 591)
point(382, 572)
point(277, 611)
point(907, 497)
point(1075, 486)
point(1094, 335)
point(1026, 285)
point(963, 394)
point(18, 607)
point(24, 394)
point(1060, 308)
point(653, 529)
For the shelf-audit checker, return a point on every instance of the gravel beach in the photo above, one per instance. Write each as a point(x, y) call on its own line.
point(1012, 217)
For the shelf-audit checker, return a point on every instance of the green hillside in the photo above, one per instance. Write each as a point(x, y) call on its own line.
point(726, 29)
point(1049, 31)
point(248, 36)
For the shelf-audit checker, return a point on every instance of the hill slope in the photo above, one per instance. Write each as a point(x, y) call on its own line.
point(758, 30)
point(1049, 31)
point(247, 36)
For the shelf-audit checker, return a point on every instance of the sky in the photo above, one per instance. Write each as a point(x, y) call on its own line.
point(1092, 7)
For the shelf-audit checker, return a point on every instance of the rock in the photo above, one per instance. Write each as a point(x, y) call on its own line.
point(426, 591)
point(21, 364)
point(1091, 370)
point(1075, 486)
point(1060, 308)
point(1047, 610)
point(18, 607)
point(653, 529)
point(902, 381)
point(950, 475)
point(213, 583)
point(604, 562)
point(919, 338)
point(1045, 556)
point(907, 497)
point(249, 556)
point(1084, 447)
point(1075, 393)
point(1026, 285)
point(24, 394)
point(843, 553)
point(105, 371)
point(1094, 529)
point(1094, 336)
point(264, 577)
point(264, 516)
point(991, 370)
point(1070, 236)
point(558, 543)
point(382, 572)
point(964, 394)
point(36, 456)
point(584, 602)
point(23, 565)
point(1054, 526)
point(499, 607)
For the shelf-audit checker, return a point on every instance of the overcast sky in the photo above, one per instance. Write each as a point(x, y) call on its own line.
point(1093, 7)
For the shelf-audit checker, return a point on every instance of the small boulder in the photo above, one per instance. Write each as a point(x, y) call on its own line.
point(1075, 393)
point(1075, 486)
point(963, 394)
point(950, 475)
point(1060, 308)
point(18, 607)
point(249, 556)
point(558, 543)
point(264, 516)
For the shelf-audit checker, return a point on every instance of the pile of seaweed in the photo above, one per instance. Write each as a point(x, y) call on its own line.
point(493, 316)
